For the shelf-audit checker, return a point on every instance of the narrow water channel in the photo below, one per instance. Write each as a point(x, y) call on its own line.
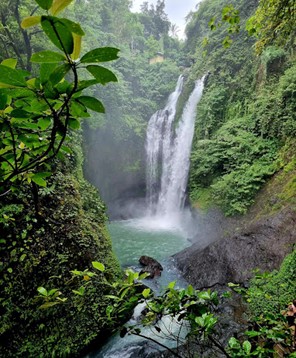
point(131, 239)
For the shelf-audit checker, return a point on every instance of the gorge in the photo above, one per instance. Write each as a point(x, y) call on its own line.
point(108, 155)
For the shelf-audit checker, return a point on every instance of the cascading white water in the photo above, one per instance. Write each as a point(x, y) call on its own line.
point(158, 147)
point(168, 154)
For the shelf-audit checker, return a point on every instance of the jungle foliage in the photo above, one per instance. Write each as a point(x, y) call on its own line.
point(52, 302)
point(268, 297)
point(119, 135)
point(247, 111)
point(52, 220)
point(197, 328)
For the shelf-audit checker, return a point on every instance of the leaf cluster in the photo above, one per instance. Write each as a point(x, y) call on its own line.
point(268, 297)
point(36, 113)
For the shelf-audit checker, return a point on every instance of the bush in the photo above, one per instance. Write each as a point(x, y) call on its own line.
point(271, 293)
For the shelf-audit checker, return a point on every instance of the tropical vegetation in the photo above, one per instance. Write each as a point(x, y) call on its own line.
point(62, 289)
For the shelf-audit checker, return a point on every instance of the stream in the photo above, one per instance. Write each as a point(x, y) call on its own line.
point(158, 239)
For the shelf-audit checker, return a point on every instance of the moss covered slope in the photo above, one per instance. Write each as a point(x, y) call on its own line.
point(69, 233)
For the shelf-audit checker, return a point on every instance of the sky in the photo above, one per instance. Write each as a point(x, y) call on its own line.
point(176, 10)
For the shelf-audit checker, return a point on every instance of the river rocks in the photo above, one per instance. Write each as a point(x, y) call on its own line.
point(262, 245)
point(151, 266)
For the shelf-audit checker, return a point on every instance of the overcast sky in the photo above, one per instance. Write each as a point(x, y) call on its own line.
point(176, 10)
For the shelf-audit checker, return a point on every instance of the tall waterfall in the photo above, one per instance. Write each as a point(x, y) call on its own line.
point(168, 153)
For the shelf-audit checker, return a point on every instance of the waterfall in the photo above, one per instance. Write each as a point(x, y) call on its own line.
point(158, 146)
point(168, 153)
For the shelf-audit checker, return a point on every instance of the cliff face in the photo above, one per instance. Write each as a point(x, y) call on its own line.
point(259, 240)
point(263, 245)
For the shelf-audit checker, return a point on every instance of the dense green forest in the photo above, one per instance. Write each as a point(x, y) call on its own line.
point(119, 136)
point(58, 273)
point(246, 119)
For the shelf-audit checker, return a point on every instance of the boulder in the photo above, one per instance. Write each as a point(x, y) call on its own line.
point(262, 245)
point(151, 266)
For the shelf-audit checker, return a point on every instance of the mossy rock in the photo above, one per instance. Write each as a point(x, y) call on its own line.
point(68, 234)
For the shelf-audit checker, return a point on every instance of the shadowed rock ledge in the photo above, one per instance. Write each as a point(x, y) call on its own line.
point(261, 245)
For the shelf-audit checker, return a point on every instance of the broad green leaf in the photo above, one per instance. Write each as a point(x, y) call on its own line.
point(77, 47)
point(62, 87)
point(233, 343)
point(53, 291)
point(38, 179)
point(253, 333)
point(190, 290)
point(102, 54)
point(172, 284)
point(12, 77)
point(76, 272)
point(42, 291)
point(30, 21)
point(50, 91)
point(74, 123)
point(33, 83)
point(146, 292)
point(86, 83)
point(45, 71)
point(48, 304)
point(36, 106)
point(44, 174)
point(24, 123)
point(74, 27)
point(59, 73)
point(247, 347)
point(78, 110)
point(66, 149)
point(3, 101)
point(98, 265)
point(101, 74)
point(19, 103)
point(9, 62)
point(44, 4)
point(144, 275)
point(17, 92)
point(58, 33)
point(44, 123)
point(47, 57)
point(91, 103)
point(59, 5)
point(200, 321)
point(5, 85)
point(204, 295)
point(20, 113)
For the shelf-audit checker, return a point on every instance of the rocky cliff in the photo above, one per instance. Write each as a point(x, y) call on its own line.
point(236, 246)
point(262, 245)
